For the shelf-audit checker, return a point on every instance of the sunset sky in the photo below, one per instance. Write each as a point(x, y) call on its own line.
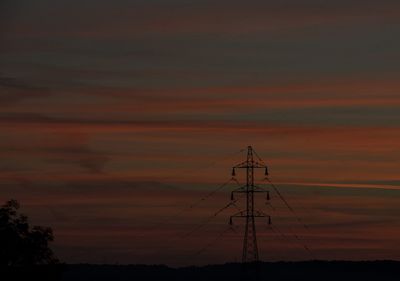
point(116, 116)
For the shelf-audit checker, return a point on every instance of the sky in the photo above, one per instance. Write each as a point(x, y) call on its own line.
point(117, 116)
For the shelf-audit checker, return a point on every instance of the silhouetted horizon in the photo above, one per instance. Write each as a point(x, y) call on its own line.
point(281, 271)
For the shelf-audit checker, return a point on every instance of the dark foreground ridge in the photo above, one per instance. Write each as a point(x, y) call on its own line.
point(276, 271)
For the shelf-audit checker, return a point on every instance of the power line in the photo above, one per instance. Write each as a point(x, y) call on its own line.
point(276, 230)
point(217, 238)
point(286, 203)
point(195, 204)
point(294, 213)
point(204, 198)
point(199, 201)
point(208, 219)
point(210, 194)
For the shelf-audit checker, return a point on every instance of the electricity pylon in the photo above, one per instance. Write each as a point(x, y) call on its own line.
point(250, 248)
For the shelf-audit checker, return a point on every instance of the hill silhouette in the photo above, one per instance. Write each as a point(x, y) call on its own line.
point(276, 271)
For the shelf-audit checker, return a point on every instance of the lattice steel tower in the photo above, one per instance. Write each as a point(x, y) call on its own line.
point(250, 248)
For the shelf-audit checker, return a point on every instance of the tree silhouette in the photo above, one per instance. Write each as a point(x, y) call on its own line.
point(21, 244)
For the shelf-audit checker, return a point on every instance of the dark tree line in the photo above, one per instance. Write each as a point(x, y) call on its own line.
point(21, 244)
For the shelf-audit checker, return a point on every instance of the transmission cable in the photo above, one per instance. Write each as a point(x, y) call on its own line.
point(286, 203)
point(210, 218)
point(217, 238)
point(299, 241)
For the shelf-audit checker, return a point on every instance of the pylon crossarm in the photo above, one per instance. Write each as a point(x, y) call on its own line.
point(241, 189)
point(254, 165)
point(260, 189)
point(241, 165)
point(259, 165)
point(241, 214)
point(261, 214)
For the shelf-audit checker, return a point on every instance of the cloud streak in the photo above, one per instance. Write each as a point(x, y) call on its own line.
point(14, 90)
point(135, 19)
point(345, 185)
